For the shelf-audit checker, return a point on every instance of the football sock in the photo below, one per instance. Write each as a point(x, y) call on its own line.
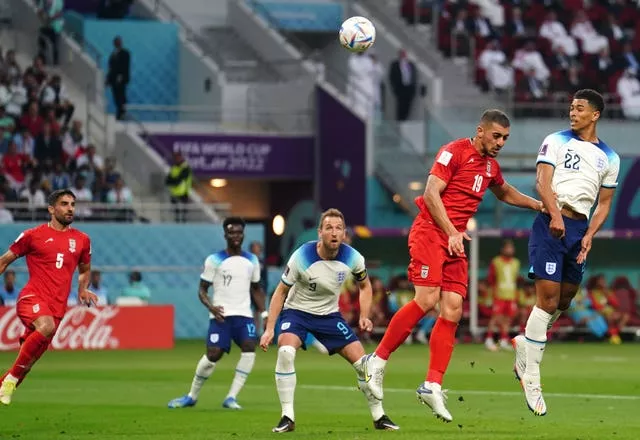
point(399, 329)
point(375, 406)
point(554, 317)
point(243, 368)
point(536, 338)
point(203, 371)
point(286, 379)
point(30, 351)
point(441, 345)
point(504, 335)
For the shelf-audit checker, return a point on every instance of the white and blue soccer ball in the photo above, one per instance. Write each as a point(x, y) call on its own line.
point(357, 34)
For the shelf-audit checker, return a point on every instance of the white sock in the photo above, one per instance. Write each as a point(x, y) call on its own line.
point(375, 406)
point(243, 368)
point(203, 371)
point(554, 318)
point(536, 338)
point(11, 378)
point(286, 379)
point(318, 346)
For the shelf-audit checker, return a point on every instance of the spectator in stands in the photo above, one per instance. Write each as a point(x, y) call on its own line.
point(591, 41)
point(73, 141)
point(492, 54)
point(25, 143)
point(11, 68)
point(628, 89)
point(516, 27)
point(571, 81)
point(7, 192)
point(15, 165)
point(479, 25)
point(54, 96)
point(6, 216)
point(50, 118)
point(628, 58)
point(91, 159)
point(120, 194)
point(118, 76)
point(84, 196)
point(32, 121)
point(403, 79)
point(554, 31)
point(179, 183)
point(51, 17)
point(17, 98)
point(37, 70)
point(33, 195)
point(59, 178)
point(96, 286)
point(605, 302)
point(7, 123)
point(461, 30)
point(559, 60)
point(379, 306)
point(501, 77)
point(529, 59)
point(47, 147)
point(9, 291)
point(603, 67)
point(493, 10)
point(136, 288)
point(531, 88)
point(5, 90)
point(364, 84)
point(612, 29)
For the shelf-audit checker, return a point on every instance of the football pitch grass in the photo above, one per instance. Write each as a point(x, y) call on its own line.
point(592, 392)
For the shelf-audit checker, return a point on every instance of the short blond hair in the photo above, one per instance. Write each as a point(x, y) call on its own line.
point(331, 212)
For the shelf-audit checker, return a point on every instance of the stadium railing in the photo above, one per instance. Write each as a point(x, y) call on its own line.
point(139, 211)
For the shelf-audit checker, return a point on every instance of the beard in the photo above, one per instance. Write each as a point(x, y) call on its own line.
point(63, 220)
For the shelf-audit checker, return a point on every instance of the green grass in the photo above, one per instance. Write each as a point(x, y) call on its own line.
point(593, 392)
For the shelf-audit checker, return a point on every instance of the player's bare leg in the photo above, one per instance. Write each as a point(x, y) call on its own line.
point(243, 368)
point(31, 350)
point(505, 328)
point(355, 355)
point(399, 329)
point(288, 344)
point(489, 341)
point(441, 346)
point(204, 370)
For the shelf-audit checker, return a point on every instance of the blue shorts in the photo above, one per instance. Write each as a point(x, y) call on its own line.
point(238, 328)
point(331, 330)
point(554, 259)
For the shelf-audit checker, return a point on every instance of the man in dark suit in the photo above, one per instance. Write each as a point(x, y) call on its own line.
point(404, 82)
point(118, 76)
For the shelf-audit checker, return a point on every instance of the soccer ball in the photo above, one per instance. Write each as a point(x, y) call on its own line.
point(357, 34)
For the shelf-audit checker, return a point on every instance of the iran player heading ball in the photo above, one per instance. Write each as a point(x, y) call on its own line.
point(53, 251)
point(574, 168)
point(462, 172)
point(309, 291)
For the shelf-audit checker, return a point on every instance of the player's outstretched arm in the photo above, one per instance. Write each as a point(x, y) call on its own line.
point(275, 307)
point(509, 194)
point(605, 199)
point(6, 259)
point(366, 298)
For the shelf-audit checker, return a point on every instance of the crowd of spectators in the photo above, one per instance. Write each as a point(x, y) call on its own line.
point(542, 51)
point(43, 148)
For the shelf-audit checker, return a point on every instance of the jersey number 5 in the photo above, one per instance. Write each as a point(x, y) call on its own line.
point(477, 183)
point(572, 161)
point(59, 261)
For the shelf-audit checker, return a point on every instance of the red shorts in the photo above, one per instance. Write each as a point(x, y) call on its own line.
point(430, 263)
point(30, 308)
point(505, 307)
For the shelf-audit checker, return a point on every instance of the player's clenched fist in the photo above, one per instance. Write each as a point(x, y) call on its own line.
point(456, 243)
point(556, 227)
point(366, 324)
point(266, 339)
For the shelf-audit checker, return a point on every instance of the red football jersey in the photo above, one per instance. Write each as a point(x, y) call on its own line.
point(52, 258)
point(468, 175)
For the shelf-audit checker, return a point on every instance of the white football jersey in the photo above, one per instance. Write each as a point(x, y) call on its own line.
point(315, 283)
point(231, 276)
point(581, 169)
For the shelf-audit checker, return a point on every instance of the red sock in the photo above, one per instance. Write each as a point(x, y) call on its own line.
point(614, 331)
point(30, 351)
point(504, 336)
point(489, 334)
point(441, 344)
point(399, 329)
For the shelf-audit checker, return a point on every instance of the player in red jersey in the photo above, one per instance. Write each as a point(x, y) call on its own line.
point(53, 251)
point(461, 174)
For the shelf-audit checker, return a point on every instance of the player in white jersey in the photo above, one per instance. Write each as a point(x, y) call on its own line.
point(574, 169)
point(235, 275)
point(308, 292)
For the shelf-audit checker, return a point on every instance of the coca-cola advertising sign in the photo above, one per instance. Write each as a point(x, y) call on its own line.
point(99, 328)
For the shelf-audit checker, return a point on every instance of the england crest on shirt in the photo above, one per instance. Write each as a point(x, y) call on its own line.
point(600, 164)
point(341, 277)
point(72, 245)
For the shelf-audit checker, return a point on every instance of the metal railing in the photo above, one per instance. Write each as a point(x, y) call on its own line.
point(138, 211)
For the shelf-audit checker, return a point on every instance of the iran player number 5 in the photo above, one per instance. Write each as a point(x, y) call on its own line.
point(59, 260)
